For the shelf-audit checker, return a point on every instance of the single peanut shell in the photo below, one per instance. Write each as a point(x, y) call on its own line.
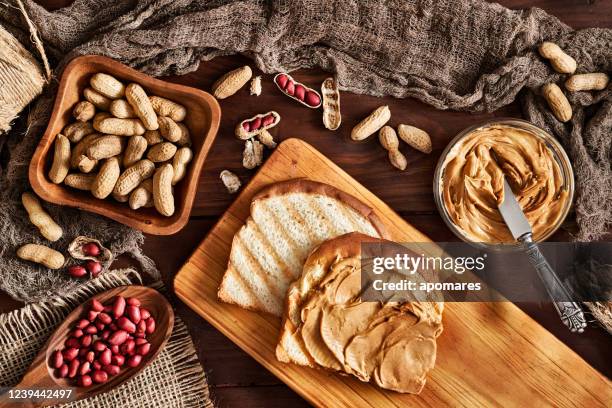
point(415, 137)
point(41, 254)
point(133, 176)
point(372, 123)
point(166, 107)
point(230, 181)
point(107, 85)
point(597, 81)
point(84, 111)
point(231, 82)
point(40, 218)
point(252, 156)
point(106, 178)
point(179, 163)
point(77, 131)
point(560, 61)
point(136, 147)
point(331, 104)
point(557, 102)
point(161, 152)
point(185, 139)
point(244, 134)
point(138, 99)
point(81, 149)
point(120, 108)
point(153, 137)
point(142, 196)
point(97, 99)
point(105, 147)
point(256, 86)
point(388, 138)
point(119, 127)
point(86, 165)
point(169, 129)
point(266, 139)
point(61, 159)
point(162, 190)
point(397, 159)
point(80, 181)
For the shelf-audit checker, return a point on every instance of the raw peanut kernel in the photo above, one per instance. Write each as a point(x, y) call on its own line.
point(297, 91)
point(249, 128)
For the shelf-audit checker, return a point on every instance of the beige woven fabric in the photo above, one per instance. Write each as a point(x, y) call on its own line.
point(174, 379)
point(21, 79)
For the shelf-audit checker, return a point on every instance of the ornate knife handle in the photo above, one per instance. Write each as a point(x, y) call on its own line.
point(570, 312)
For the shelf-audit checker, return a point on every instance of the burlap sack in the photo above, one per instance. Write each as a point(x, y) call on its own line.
point(174, 379)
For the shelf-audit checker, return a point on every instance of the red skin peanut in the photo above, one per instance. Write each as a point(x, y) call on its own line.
point(133, 312)
point(72, 342)
point(99, 376)
point(300, 92)
point(255, 124)
point(73, 368)
point(290, 89)
point(143, 349)
point(77, 271)
point(96, 305)
point(112, 369)
point(70, 353)
point(93, 267)
point(144, 313)
point(57, 359)
point(119, 306)
point(126, 324)
point(133, 302)
point(312, 99)
point(134, 361)
point(105, 357)
point(282, 80)
point(118, 360)
point(62, 372)
point(105, 318)
point(90, 249)
point(90, 356)
point(98, 346)
point(84, 381)
point(118, 338)
point(86, 340)
point(150, 325)
point(83, 323)
point(84, 368)
point(268, 120)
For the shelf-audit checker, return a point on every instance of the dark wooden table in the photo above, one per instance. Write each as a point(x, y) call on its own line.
point(237, 379)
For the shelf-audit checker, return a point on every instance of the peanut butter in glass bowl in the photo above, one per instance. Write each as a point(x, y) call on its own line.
point(468, 182)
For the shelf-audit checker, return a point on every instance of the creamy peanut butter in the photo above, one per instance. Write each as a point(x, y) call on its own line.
point(390, 344)
point(472, 183)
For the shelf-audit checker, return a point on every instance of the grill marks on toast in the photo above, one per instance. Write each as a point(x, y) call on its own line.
point(269, 251)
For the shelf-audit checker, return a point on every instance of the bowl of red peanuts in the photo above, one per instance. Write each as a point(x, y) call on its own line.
point(110, 338)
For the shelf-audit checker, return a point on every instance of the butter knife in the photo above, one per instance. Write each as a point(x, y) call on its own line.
point(570, 312)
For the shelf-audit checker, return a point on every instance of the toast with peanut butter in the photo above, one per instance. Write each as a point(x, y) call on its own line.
point(287, 221)
point(327, 325)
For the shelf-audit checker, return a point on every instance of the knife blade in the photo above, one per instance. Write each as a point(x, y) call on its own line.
point(512, 213)
point(570, 312)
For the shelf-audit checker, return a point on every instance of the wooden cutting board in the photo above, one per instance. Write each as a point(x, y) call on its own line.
point(490, 354)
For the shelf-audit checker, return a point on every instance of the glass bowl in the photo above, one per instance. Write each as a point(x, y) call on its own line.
point(552, 143)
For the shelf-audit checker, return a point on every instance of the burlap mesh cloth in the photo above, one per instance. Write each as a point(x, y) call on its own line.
point(174, 379)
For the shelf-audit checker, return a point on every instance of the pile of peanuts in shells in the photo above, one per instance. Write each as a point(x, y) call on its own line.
point(125, 144)
point(565, 64)
point(107, 338)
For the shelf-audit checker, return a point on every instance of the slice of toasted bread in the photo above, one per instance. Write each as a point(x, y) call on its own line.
point(288, 219)
point(422, 322)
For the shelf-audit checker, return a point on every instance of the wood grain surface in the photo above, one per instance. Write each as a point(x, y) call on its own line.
point(238, 380)
point(506, 346)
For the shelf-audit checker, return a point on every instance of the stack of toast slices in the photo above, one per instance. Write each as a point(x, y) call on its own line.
point(269, 257)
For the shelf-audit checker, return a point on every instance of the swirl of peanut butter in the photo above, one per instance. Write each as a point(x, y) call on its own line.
point(472, 183)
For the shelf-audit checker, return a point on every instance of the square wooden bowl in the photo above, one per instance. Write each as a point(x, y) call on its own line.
point(203, 116)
